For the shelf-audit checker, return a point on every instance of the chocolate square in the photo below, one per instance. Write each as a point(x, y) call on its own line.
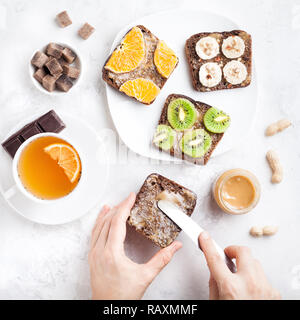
point(30, 131)
point(50, 122)
point(12, 145)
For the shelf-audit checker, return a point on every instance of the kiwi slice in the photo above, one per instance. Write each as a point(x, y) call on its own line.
point(182, 114)
point(195, 143)
point(216, 120)
point(164, 137)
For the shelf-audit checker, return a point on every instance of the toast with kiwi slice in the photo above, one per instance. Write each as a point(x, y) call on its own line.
point(189, 129)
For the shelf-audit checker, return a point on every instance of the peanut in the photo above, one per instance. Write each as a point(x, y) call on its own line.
point(275, 165)
point(269, 230)
point(256, 231)
point(277, 127)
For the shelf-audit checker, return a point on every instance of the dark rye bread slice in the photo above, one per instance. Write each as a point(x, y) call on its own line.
point(147, 219)
point(201, 108)
point(146, 69)
point(195, 62)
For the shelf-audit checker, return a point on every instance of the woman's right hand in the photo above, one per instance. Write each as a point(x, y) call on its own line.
point(248, 283)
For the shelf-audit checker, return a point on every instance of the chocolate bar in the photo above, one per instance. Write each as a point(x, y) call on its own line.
point(49, 122)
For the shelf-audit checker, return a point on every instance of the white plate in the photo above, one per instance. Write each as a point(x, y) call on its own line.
point(88, 192)
point(136, 122)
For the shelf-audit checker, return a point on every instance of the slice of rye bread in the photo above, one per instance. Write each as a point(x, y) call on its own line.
point(146, 69)
point(148, 220)
point(195, 62)
point(201, 108)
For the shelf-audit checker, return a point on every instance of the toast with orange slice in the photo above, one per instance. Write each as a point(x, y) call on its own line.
point(140, 65)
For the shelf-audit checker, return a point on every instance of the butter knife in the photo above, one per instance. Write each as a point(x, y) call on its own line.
point(190, 227)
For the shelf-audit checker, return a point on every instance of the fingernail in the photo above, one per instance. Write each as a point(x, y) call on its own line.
point(205, 235)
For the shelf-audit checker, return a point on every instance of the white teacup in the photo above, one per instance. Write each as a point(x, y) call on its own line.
point(18, 183)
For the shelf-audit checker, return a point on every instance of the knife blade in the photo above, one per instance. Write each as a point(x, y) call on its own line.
point(190, 227)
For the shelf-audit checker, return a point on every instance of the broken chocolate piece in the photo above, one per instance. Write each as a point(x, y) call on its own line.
point(71, 72)
point(85, 31)
point(54, 67)
point(68, 55)
point(49, 82)
point(63, 19)
point(39, 74)
point(64, 83)
point(54, 50)
point(39, 59)
point(49, 122)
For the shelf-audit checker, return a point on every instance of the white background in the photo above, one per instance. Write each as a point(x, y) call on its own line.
point(50, 262)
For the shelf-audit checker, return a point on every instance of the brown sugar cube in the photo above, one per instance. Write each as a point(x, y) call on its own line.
point(85, 31)
point(49, 82)
point(63, 62)
point(56, 76)
point(39, 74)
point(54, 67)
point(71, 72)
point(54, 50)
point(64, 83)
point(39, 59)
point(68, 55)
point(63, 19)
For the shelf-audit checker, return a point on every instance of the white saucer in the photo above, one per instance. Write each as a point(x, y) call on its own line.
point(136, 122)
point(92, 184)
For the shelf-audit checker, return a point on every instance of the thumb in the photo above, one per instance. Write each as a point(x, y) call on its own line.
point(161, 259)
point(217, 267)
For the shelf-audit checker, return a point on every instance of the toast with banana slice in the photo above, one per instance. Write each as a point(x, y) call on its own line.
point(220, 60)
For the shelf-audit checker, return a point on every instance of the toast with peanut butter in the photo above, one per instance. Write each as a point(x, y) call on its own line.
point(150, 221)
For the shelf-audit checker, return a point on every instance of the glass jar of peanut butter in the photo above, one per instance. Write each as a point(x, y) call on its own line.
point(236, 191)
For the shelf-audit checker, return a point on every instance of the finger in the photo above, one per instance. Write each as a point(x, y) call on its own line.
point(217, 266)
point(213, 289)
point(242, 255)
point(117, 232)
point(102, 239)
point(98, 225)
point(161, 259)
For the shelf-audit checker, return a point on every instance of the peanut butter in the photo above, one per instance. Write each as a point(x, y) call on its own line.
point(165, 195)
point(236, 191)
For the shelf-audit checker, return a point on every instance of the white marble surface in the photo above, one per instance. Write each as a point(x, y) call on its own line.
point(50, 262)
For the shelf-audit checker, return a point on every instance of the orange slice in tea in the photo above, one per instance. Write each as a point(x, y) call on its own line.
point(129, 54)
point(67, 158)
point(165, 59)
point(143, 90)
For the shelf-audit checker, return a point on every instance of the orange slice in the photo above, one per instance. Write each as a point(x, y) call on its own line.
point(67, 158)
point(143, 90)
point(165, 59)
point(129, 53)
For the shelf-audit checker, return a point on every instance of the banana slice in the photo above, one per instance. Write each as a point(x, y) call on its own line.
point(207, 48)
point(210, 74)
point(235, 72)
point(233, 47)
